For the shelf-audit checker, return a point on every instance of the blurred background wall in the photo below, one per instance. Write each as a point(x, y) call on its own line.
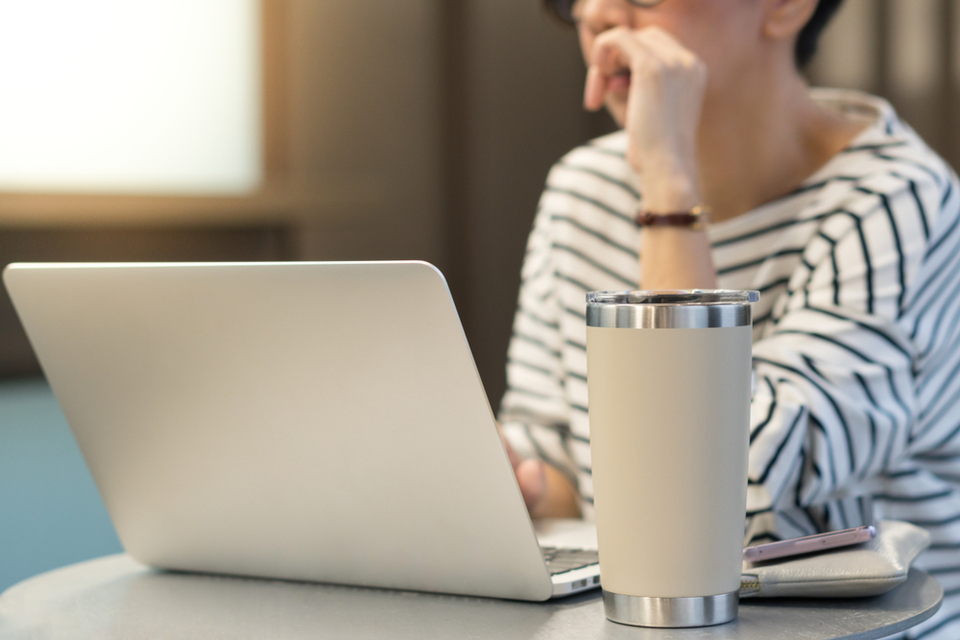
point(424, 129)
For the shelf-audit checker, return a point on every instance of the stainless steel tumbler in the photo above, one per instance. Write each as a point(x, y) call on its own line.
point(668, 375)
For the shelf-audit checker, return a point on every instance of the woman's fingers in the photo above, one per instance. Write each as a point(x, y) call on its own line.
point(530, 473)
point(620, 53)
point(531, 478)
point(662, 41)
point(594, 90)
point(612, 55)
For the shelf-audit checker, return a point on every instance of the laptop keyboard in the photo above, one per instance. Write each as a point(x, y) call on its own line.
point(562, 560)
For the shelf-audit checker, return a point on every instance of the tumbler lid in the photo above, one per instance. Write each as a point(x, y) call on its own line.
point(674, 297)
point(670, 309)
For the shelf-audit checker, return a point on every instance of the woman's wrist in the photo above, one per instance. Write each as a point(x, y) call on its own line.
point(676, 258)
point(674, 193)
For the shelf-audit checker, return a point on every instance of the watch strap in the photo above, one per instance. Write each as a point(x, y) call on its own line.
point(696, 218)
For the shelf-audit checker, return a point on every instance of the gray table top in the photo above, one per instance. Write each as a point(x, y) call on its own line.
point(114, 597)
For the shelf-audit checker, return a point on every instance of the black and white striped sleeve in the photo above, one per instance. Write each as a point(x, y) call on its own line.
point(836, 397)
point(534, 413)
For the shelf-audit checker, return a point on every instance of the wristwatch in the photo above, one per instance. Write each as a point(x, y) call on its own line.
point(696, 218)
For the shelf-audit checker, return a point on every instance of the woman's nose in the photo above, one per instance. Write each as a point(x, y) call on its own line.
point(600, 15)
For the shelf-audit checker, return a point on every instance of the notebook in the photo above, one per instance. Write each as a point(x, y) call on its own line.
point(301, 421)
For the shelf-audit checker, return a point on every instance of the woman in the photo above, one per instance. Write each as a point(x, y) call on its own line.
point(823, 200)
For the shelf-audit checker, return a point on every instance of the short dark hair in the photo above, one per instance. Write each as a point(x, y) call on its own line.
point(810, 34)
point(806, 40)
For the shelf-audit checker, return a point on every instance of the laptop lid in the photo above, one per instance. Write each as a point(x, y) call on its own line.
point(306, 421)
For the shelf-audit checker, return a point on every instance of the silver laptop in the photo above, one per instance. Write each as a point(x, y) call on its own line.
point(302, 421)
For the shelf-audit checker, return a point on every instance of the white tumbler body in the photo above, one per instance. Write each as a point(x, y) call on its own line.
point(668, 382)
point(669, 422)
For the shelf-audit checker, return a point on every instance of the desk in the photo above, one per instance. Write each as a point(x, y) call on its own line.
point(114, 597)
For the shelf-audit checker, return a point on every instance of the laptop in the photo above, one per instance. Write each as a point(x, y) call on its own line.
point(301, 421)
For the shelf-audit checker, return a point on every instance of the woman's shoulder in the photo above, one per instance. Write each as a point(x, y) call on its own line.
point(887, 157)
point(886, 172)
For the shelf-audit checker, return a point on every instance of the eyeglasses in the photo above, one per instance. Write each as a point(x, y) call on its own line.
point(564, 8)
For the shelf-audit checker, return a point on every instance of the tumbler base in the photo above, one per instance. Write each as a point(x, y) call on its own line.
point(642, 611)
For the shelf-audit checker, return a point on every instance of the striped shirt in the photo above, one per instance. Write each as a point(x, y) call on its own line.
point(856, 338)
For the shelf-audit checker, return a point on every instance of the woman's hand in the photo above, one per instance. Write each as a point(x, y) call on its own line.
point(655, 86)
point(546, 491)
